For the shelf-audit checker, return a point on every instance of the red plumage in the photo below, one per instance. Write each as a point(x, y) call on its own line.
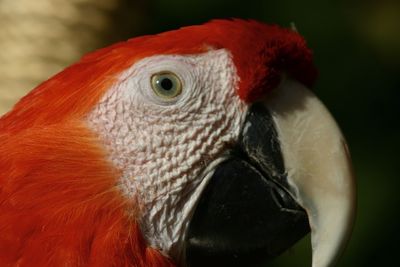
point(60, 204)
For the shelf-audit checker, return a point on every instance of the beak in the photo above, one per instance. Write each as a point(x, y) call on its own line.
point(289, 173)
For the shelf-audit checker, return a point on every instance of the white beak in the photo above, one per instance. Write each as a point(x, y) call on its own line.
point(319, 169)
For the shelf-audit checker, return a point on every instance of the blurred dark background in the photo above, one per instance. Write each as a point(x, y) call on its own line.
point(356, 44)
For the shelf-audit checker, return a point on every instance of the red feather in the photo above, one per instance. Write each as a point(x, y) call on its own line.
point(60, 204)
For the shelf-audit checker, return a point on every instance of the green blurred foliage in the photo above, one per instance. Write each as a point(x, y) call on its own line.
point(357, 50)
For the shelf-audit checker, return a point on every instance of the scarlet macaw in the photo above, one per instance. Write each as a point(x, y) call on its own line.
point(194, 147)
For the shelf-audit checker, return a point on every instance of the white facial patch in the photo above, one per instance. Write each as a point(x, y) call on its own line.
point(164, 146)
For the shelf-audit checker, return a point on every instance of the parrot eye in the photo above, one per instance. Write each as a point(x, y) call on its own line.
point(166, 85)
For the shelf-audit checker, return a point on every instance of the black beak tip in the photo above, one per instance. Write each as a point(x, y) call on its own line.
point(241, 220)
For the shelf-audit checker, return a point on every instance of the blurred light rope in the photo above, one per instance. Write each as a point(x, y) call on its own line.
point(40, 37)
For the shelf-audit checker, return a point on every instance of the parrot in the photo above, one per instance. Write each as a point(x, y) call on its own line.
point(200, 146)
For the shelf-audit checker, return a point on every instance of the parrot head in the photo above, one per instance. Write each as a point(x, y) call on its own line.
point(194, 147)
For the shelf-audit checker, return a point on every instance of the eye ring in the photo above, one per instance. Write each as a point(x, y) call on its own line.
point(166, 85)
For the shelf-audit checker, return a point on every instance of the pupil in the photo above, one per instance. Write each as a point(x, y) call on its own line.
point(166, 84)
